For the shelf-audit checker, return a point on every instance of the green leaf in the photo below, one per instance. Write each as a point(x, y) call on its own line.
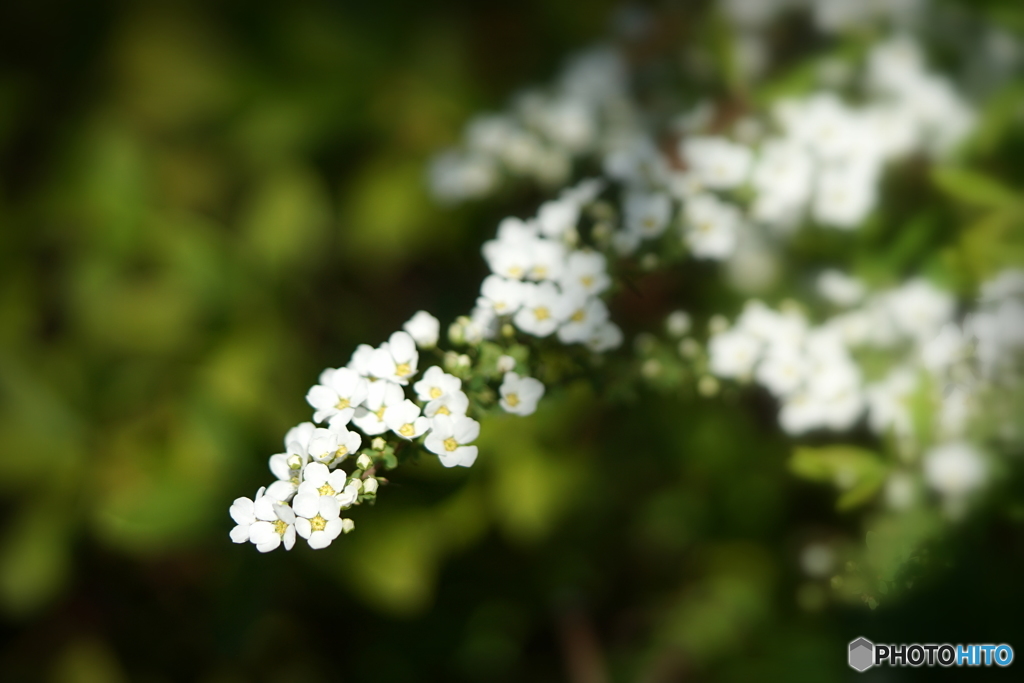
point(972, 187)
point(857, 472)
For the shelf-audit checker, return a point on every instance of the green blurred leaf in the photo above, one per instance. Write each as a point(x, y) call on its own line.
point(974, 188)
point(857, 472)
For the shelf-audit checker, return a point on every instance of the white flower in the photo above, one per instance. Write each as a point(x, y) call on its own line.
point(360, 361)
point(501, 294)
point(424, 329)
point(323, 446)
point(243, 511)
point(396, 359)
point(519, 395)
point(719, 163)
point(846, 194)
point(506, 363)
point(605, 337)
point(783, 174)
point(557, 217)
point(435, 384)
point(336, 397)
point(318, 480)
point(954, 469)
point(404, 420)
point(370, 416)
point(542, 309)
point(919, 309)
point(840, 288)
point(944, 349)
point(646, 214)
point(509, 258)
point(888, 402)
point(453, 403)
point(586, 314)
point(712, 227)
point(318, 519)
point(275, 527)
point(548, 262)
point(783, 370)
point(448, 438)
point(348, 442)
point(733, 353)
point(586, 270)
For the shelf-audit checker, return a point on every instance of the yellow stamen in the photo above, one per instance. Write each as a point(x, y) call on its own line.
point(579, 316)
point(403, 370)
point(542, 313)
point(341, 452)
point(450, 444)
point(515, 271)
point(588, 281)
point(435, 392)
point(318, 523)
point(407, 430)
point(327, 490)
point(280, 526)
point(512, 400)
point(342, 404)
point(380, 412)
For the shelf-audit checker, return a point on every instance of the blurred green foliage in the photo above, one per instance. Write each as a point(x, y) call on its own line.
point(203, 204)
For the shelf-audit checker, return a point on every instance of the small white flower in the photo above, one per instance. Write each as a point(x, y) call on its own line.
point(348, 442)
point(243, 511)
point(453, 404)
point(336, 397)
point(542, 309)
point(586, 314)
point(605, 337)
point(360, 361)
point(275, 527)
point(370, 486)
point(396, 359)
point(845, 195)
point(435, 384)
point(587, 271)
point(839, 288)
point(519, 395)
point(508, 259)
point(424, 329)
point(448, 438)
point(557, 217)
point(318, 519)
point(318, 480)
point(719, 163)
point(955, 469)
point(548, 260)
point(501, 294)
point(647, 215)
point(782, 371)
point(404, 420)
point(506, 363)
point(370, 416)
point(712, 227)
point(919, 309)
point(733, 353)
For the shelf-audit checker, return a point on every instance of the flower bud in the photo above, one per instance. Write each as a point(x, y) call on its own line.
point(295, 462)
point(378, 444)
point(364, 462)
point(347, 525)
point(678, 323)
point(508, 331)
point(506, 364)
point(707, 386)
point(651, 369)
point(370, 486)
point(689, 348)
point(456, 333)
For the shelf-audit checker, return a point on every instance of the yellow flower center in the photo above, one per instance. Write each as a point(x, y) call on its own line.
point(342, 404)
point(326, 490)
point(407, 430)
point(318, 523)
point(280, 526)
point(650, 223)
point(540, 271)
point(435, 392)
point(443, 410)
point(380, 412)
point(512, 400)
point(403, 370)
point(542, 313)
point(579, 316)
point(450, 444)
point(704, 226)
point(587, 280)
point(342, 451)
point(515, 271)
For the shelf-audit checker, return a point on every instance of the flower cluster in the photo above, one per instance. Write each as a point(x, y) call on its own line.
point(937, 361)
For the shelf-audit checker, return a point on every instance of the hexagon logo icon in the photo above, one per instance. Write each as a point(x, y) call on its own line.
point(862, 654)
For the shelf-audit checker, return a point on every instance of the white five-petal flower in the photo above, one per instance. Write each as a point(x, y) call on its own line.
point(448, 438)
point(519, 395)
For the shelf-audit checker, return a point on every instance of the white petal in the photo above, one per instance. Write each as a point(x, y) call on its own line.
point(240, 534)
